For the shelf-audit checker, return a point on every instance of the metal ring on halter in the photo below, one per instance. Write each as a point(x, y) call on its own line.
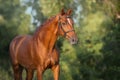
point(68, 17)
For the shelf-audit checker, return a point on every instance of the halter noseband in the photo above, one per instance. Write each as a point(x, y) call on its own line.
point(60, 26)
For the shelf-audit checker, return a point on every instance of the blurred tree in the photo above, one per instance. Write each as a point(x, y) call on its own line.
point(97, 23)
point(99, 40)
point(13, 21)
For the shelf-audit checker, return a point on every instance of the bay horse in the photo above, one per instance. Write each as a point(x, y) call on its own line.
point(38, 52)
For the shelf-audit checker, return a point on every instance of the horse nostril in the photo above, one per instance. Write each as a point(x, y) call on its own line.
point(73, 40)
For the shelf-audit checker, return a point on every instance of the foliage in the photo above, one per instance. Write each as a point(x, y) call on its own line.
point(99, 30)
point(13, 21)
point(97, 23)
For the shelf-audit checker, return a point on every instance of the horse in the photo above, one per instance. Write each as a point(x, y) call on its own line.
point(38, 51)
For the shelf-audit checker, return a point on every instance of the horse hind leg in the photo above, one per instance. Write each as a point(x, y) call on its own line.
point(17, 72)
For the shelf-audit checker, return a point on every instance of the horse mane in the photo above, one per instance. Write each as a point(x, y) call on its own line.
point(44, 25)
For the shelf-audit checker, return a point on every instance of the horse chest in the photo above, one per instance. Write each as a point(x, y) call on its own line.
point(50, 61)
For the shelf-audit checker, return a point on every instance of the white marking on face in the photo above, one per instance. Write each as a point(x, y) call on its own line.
point(69, 21)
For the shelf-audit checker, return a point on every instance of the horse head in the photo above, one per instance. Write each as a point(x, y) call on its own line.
point(66, 29)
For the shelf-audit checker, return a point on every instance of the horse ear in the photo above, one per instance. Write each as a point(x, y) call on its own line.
point(69, 11)
point(62, 12)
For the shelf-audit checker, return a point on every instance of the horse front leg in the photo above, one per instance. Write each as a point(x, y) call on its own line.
point(30, 73)
point(56, 71)
point(39, 73)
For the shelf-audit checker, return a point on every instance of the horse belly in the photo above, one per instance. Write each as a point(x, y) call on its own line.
point(25, 57)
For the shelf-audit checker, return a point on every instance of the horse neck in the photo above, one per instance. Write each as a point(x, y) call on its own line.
point(47, 35)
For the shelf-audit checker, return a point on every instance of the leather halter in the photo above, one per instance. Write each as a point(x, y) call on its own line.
point(61, 26)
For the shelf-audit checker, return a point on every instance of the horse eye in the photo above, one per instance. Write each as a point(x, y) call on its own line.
point(63, 24)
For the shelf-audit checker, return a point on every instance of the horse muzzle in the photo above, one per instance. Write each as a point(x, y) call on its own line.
point(73, 40)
